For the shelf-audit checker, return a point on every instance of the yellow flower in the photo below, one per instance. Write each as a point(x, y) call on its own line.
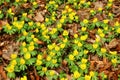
point(36, 30)
point(30, 23)
point(15, 18)
point(71, 57)
point(118, 30)
point(88, 2)
point(13, 62)
point(54, 61)
point(32, 43)
point(106, 21)
point(117, 23)
point(75, 52)
point(38, 62)
point(48, 58)
point(97, 39)
point(102, 35)
point(57, 48)
point(65, 40)
point(25, 0)
point(63, 79)
point(13, 56)
point(76, 41)
point(38, 24)
point(65, 33)
point(10, 69)
point(24, 14)
point(113, 52)
point(92, 11)
point(75, 35)
point(52, 72)
point(109, 4)
point(44, 69)
point(106, 28)
point(100, 9)
point(100, 31)
point(95, 20)
point(31, 47)
point(52, 53)
point(8, 26)
point(23, 78)
point(34, 3)
point(24, 44)
point(87, 77)
point(71, 16)
point(35, 39)
point(24, 50)
point(114, 61)
point(110, 0)
point(105, 76)
point(39, 57)
point(83, 66)
point(62, 20)
point(84, 37)
point(59, 25)
point(109, 14)
point(22, 61)
point(84, 60)
point(85, 51)
point(95, 45)
point(46, 19)
point(103, 50)
point(80, 44)
point(54, 30)
point(70, 10)
point(25, 33)
point(83, 29)
point(50, 47)
point(92, 73)
point(76, 74)
point(62, 45)
point(85, 21)
point(0, 11)
point(27, 56)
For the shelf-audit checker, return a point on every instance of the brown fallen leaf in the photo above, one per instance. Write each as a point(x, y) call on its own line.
point(113, 43)
point(39, 17)
point(98, 4)
point(2, 72)
point(0, 53)
point(40, 42)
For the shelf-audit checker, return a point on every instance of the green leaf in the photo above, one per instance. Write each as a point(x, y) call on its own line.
point(11, 74)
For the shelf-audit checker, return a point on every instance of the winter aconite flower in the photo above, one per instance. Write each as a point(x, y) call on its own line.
point(118, 30)
point(71, 57)
point(10, 68)
point(38, 62)
point(103, 50)
point(113, 52)
point(52, 72)
point(24, 78)
point(95, 45)
point(114, 61)
point(85, 21)
point(13, 56)
point(87, 77)
point(76, 74)
point(83, 66)
point(44, 69)
point(27, 56)
point(65, 33)
point(22, 61)
point(92, 73)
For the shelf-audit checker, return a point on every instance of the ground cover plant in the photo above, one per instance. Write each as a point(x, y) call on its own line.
point(60, 40)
